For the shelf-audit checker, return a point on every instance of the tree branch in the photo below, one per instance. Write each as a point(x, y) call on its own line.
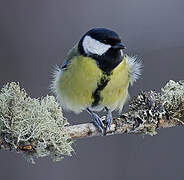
point(37, 128)
point(89, 130)
point(148, 112)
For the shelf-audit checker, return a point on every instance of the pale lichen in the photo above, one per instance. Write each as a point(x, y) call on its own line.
point(172, 96)
point(147, 109)
point(144, 112)
point(35, 127)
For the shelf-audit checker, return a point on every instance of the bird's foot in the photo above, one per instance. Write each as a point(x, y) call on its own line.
point(97, 121)
point(108, 120)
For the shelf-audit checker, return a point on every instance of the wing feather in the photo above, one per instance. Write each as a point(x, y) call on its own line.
point(72, 53)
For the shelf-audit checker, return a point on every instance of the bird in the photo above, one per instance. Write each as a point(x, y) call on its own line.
point(96, 75)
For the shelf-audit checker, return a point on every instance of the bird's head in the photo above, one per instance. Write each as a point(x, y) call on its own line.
point(104, 46)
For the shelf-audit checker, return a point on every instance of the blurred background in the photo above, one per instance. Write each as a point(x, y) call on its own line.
point(36, 35)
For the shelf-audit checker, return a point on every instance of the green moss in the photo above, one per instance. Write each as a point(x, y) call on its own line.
point(28, 121)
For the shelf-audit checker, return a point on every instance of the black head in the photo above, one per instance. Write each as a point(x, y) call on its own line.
point(104, 46)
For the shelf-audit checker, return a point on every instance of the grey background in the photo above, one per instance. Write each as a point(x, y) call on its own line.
point(35, 35)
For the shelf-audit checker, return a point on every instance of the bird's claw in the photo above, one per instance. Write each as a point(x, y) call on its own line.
point(98, 123)
point(108, 121)
point(103, 126)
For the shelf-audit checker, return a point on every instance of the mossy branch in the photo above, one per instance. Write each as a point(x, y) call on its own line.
point(147, 112)
point(37, 128)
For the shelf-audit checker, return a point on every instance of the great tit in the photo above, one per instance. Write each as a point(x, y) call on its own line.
point(96, 76)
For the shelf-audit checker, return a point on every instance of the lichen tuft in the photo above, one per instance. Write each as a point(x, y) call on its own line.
point(172, 96)
point(35, 127)
point(144, 112)
point(147, 109)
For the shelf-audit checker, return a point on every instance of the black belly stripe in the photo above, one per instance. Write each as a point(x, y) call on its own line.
point(96, 94)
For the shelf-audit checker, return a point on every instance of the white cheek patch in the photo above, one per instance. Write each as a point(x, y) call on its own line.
point(92, 46)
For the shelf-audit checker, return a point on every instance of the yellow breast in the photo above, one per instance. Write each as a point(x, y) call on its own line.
point(76, 84)
point(115, 93)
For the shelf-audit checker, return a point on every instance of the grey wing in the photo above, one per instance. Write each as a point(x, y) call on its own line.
point(73, 52)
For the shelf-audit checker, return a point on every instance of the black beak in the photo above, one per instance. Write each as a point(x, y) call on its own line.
point(119, 46)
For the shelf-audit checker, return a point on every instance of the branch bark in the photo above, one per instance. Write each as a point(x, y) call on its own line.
point(147, 112)
point(89, 130)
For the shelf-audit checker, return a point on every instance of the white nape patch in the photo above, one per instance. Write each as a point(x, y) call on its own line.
point(135, 67)
point(92, 46)
point(121, 51)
